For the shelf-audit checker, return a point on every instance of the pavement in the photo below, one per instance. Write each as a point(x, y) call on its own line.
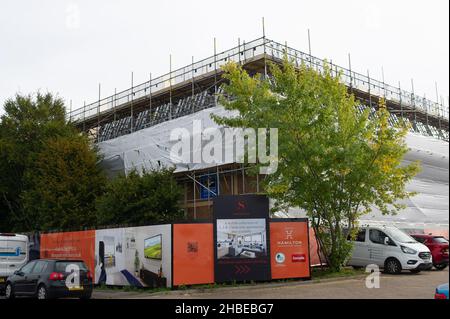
point(405, 286)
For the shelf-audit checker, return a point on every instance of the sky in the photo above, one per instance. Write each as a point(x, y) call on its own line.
point(68, 47)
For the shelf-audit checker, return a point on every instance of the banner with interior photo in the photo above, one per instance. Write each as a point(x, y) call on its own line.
point(134, 256)
point(242, 244)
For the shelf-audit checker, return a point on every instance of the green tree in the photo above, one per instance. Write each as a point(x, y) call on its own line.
point(29, 130)
point(333, 162)
point(152, 197)
point(62, 185)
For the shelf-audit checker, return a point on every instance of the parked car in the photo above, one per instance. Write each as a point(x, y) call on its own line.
point(390, 249)
point(438, 246)
point(13, 255)
point(46, 278)
point(441, 292)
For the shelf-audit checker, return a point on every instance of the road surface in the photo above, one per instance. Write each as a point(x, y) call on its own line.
point(405, 285)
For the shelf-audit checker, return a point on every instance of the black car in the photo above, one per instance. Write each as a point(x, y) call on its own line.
point(48, 278)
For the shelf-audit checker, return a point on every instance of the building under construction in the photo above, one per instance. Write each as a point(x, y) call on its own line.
point(132, 127)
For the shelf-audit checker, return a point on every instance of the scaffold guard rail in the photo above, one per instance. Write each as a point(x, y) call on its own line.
point(245, 52)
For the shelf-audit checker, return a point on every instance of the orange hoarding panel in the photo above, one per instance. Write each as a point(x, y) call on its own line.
point(193, 254)
point(314, 249)
point(78, 245)
point(289, 250)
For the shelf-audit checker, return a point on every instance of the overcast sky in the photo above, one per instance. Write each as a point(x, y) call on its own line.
point(68, 47)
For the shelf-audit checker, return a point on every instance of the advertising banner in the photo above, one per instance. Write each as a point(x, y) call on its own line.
point(241, 241)
point(289, 246)
point(193, 254)
point(134, 256)
point(77, 245)
point(316, 255)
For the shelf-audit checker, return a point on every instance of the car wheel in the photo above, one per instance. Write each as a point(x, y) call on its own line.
point(392, 266)
point(42, 292)
point(440, 266)
point(9, 293)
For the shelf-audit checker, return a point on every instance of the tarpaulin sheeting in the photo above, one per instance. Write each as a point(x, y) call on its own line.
point(150, 148)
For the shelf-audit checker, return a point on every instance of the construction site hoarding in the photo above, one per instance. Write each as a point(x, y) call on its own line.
point(289, 246)
point(193, 255)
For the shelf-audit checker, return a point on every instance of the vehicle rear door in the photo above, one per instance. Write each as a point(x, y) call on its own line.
point(75, 273)
point(18, 254)
point(22, 282)
point(3, 261)
point(35, 276)
point(360, 256)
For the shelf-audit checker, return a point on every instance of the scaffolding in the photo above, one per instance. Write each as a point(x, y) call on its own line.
point(197, 86)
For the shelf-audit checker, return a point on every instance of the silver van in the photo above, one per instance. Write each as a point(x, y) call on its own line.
point(389, 248)
point(13, 255)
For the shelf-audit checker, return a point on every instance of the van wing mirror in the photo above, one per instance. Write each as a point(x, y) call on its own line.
point(386, 240)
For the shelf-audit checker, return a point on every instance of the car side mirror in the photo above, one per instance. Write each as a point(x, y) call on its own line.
point(386, 240)
point(18, 273)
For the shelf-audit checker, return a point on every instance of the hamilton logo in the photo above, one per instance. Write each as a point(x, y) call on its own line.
point(289, 234)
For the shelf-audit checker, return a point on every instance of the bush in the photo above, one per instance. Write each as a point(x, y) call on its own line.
point(150, 197)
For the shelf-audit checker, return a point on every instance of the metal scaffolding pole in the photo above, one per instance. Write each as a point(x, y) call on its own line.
point(192, 77)
point(170, 86)
point(309, 49)
point(413, 100)
point(215, 72)
point(400, 98)
point(98, 112)
point(218, 180)
point(239, 50)
point(243, 179)
point(243, 43)
point(257, 182)
point(438, 106)
point(264, 44)
point(132, 98)
point(150, 93)
point(84, 116)
point(195, 206)
point(70, 111)
point(370, 95)
point(115, 104)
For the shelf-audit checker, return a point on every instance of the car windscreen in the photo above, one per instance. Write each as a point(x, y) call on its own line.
point(440, 240)
point(400, 236)
point(61, 266)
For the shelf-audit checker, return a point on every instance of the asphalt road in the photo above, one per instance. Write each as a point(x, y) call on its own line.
point(405, 285)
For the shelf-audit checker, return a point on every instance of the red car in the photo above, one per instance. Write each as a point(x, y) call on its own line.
point(438, 245)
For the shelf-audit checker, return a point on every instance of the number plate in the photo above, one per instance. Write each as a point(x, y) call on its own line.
point(2, 279)
point(75, 288)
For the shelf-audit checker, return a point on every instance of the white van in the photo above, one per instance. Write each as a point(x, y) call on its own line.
point(389, 248)
point(13, 255)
